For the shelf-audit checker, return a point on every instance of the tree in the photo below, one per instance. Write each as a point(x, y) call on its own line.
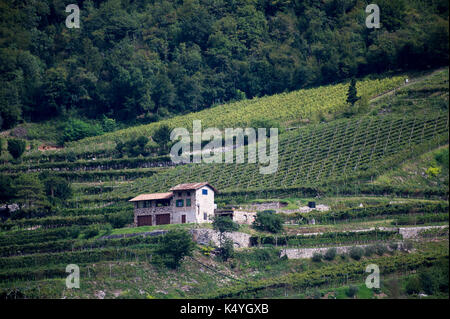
point(56, 187)
point(162, 138)
point(352, 92)
point(356, 252)
point(330, 254)
point(29, 190)
point(269, 221)
point(224, 224)
point(16, 147)
point(6, 191)
point(173, 247)
point(77, 129)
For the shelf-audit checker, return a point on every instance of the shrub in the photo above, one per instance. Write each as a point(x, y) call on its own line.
point(173, 247)
point(162, 138)
point(224, 224)
point(92, 231)
point(352, 291)
point(119, 220)
point(369, 250)
point(407, 245)
point(393, 246)
point(317, 257)
point(226, 251)
point(268, 221)
point(413, 286)
point(330, 254)
point(108, 125)
point(77, 129)
point(16, 147)
point(356, 253)
point(380, 249)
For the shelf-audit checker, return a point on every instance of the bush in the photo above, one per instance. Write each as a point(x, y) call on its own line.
point(356, 253)
point(393, 246)
point(108, 125)
point(226, 251)
point(173, 247)
point(317, 257)
point(380, 249)
point(224, 224)
point(92, 231)
point(407, 245)
point(16, 147)
point(369, 250)
point(413, 286)
point(352, 291)
point(77, 129)
point(119, 220)
point(268, 221)
point(330, 254)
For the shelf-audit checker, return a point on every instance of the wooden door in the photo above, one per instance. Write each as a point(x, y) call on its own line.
point(183, 219)
point(144, 220)
point(162, 219)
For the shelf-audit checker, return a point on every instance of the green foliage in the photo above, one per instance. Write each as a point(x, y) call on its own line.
point(226, 250)
point(224, 224)
point(136, 62)
point(16, 147)
point(413, 285)
point(119, 220)
point(352, 291)
point(317, 257)
point(173, 247)
point(108, 124)
point(29, 190)
point(162, 138)
point(76, 129)
point(6, 190)
point(268, 221)
point(352, 96)
point(356, 252)
point(442, 157)
point(56, 187)
point(330, 254)
point(133, 147)
point(92, 231)
point(433, 171)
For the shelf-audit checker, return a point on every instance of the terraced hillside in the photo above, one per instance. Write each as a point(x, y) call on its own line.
point(297, 105)
point(343, 163)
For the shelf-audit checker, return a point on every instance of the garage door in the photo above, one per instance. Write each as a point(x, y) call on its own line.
point(144, 220)
point(162, 219)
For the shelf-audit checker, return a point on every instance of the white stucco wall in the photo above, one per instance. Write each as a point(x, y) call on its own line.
point(204, 204)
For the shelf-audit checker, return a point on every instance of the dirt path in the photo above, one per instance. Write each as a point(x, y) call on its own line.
point(410, 82)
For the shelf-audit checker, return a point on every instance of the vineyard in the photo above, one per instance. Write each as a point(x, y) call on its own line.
point(302, 104)
point(317, 155)
point(346, 158)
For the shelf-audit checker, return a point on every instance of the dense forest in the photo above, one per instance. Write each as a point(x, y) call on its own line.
point(139, 61)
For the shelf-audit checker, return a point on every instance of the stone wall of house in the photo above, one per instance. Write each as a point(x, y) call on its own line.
point(151, 211)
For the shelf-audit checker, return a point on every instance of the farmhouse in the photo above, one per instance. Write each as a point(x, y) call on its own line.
point(185, 203)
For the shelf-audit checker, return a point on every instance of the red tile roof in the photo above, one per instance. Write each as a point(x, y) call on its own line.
point(189, 186)
point(152, 196)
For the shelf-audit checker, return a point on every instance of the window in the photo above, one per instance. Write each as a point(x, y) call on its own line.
point(188, 202)
point(205, 216)
point(180, 202)
point(204, 192)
